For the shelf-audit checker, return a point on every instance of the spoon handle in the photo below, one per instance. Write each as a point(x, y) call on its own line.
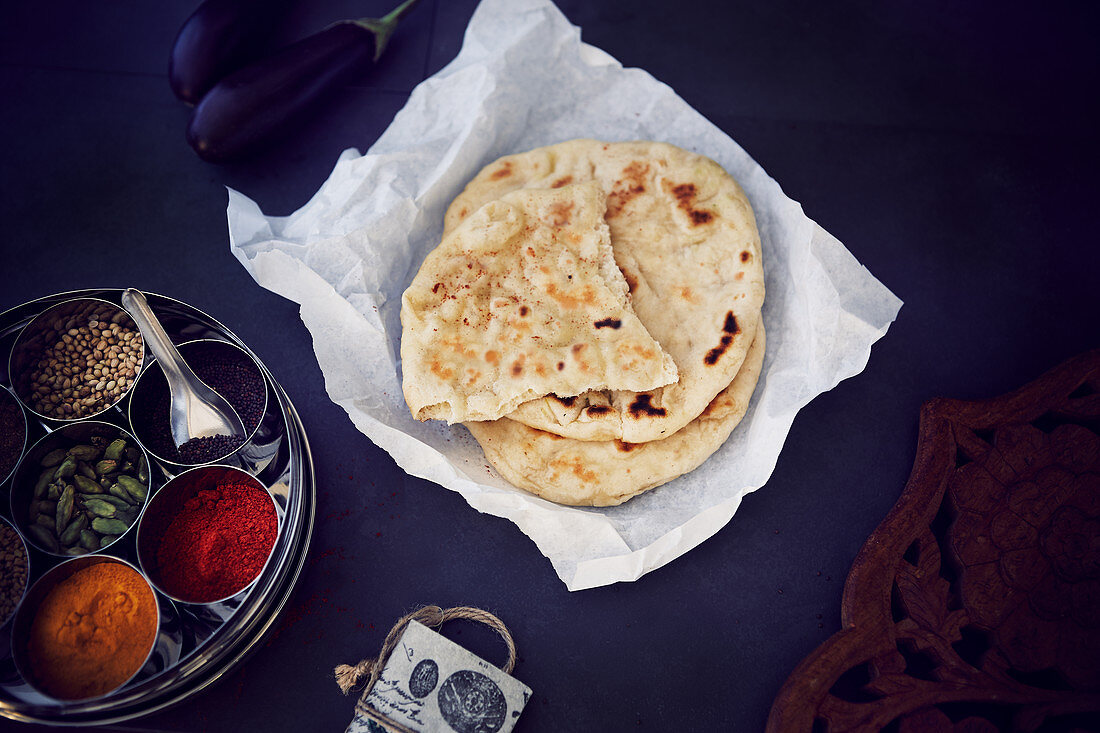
point(172, 364)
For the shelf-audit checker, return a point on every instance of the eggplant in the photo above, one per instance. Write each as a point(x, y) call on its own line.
point(259, 103)
point(220, 37)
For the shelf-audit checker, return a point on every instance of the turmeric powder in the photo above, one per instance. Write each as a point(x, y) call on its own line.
point(92, 631)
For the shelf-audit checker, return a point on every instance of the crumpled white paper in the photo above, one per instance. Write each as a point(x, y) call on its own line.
point(522, 80)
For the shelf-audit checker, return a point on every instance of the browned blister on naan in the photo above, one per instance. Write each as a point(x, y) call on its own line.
point(520, 300)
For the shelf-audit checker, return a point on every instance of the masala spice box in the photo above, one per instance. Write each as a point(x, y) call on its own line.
point(96, 504)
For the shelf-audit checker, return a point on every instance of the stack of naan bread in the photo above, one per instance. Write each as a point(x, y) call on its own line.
point(592, 315)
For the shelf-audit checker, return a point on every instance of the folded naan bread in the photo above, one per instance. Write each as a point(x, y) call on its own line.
point(605, 473)
point(521, 300)
point(685, 238)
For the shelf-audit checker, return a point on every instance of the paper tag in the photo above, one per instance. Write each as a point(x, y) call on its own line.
point(431, 684)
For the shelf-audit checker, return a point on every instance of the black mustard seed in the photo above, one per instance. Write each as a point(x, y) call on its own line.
point(225, 370)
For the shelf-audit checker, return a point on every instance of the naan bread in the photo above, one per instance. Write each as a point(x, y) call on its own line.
point(685, 238)
point(523, 299)
point(605, 473)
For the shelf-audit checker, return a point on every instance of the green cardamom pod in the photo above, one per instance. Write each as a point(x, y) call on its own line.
point(54, 491)
point(85, 470)
point(46, 521)
point(67, 468)
point(75, 551)
point(132, 453)
point(117, 491)
point(133, 487)
point(109, 526)
point(43, 482)
point(116, 502)
point(84, 452)
point(87, 485)
point(89, 540)
point(72, 532)
point(100, 508)
point(43, 537)
point(143, 470)
point(64, 510)
point(54, 457)
point(105, 466)
point(115, 449)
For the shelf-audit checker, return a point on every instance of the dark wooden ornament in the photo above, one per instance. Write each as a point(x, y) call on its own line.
point(975, 604)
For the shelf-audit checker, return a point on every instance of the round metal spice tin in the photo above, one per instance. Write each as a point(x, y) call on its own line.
point(198, 643)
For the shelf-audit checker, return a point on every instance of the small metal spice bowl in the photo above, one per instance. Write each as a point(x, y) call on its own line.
point(94, 474)
point(15, 570)
point(46, 670)
point(13, 433)
point(76, 359)
point(208, 534)
point(224, 367)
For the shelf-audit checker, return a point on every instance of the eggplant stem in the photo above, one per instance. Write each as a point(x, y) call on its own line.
point(383, 27)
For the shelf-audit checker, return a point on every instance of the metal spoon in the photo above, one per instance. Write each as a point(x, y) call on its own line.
point(197, 411)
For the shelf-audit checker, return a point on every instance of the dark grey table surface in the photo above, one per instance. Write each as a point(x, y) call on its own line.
point(951, 146)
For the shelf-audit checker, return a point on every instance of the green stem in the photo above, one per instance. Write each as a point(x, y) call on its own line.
point(383, 27)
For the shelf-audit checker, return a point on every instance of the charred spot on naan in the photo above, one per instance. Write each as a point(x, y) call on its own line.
point(594, 410)
point(567, 401)
point(609, 323)
point(631, 280)
point(685, 194)
point(565, 181)
point(625, 447)
point(441, 371)
point(642, 406)
point(561, 213)
point(503, 171)
point(567, 300)
point(731, 329)
point(626, 188)
point(576, 466)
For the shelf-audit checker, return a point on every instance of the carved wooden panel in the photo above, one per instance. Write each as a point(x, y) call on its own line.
point(975, 604)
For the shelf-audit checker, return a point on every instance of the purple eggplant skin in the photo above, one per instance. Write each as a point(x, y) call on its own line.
point(220, 37)
point(261, 102)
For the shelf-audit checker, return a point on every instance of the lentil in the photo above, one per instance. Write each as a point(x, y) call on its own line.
point(13, 571)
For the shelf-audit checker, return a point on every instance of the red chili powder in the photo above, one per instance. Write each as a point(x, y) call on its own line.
point(217, 543)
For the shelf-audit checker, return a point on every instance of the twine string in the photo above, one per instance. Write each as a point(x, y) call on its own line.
point(349, 676)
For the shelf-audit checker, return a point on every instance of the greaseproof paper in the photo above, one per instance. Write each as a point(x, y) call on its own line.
point(524, 79)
